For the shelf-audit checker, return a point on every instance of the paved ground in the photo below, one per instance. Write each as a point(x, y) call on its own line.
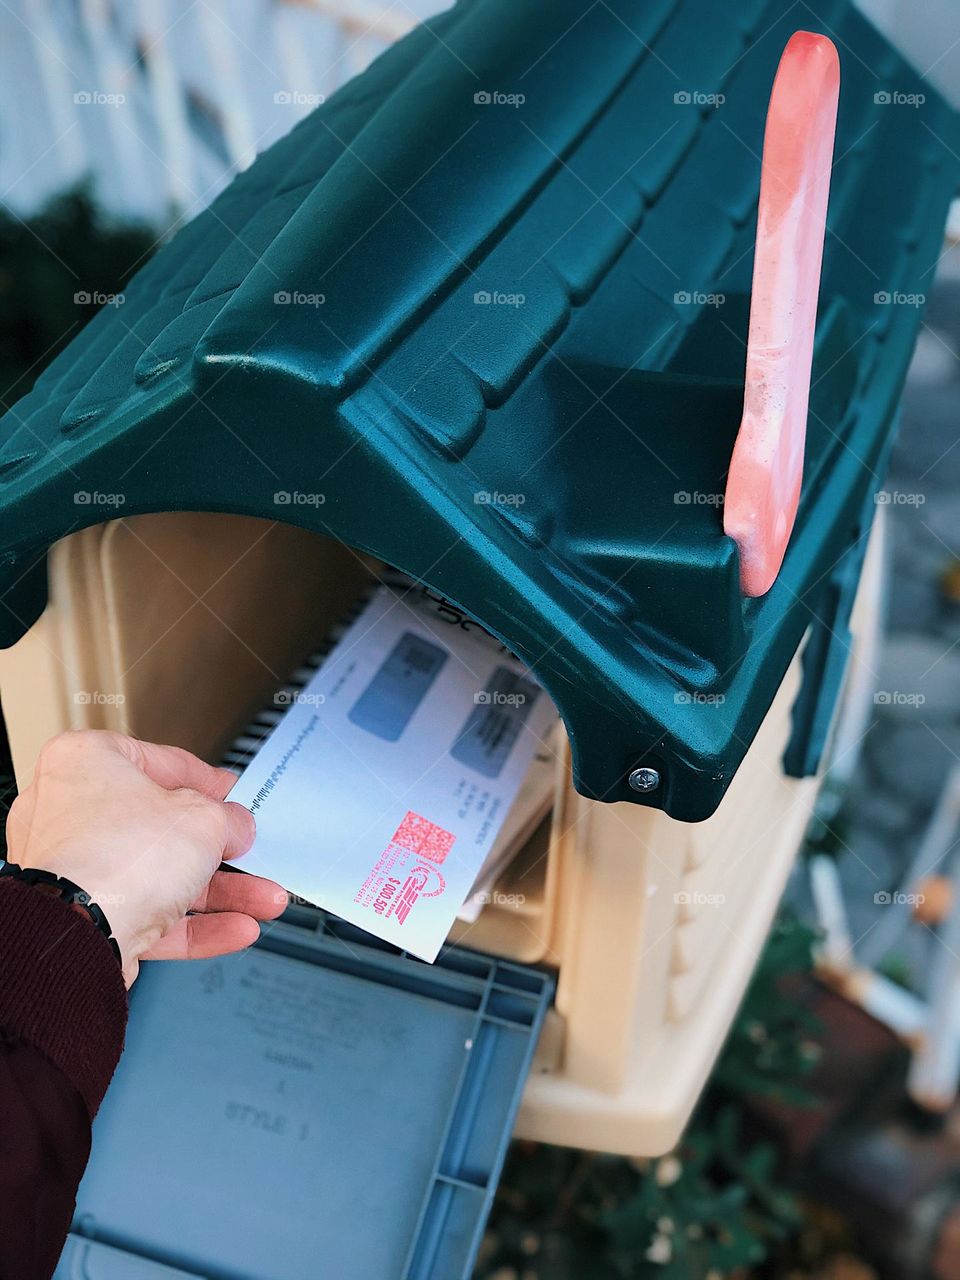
point(914, 736)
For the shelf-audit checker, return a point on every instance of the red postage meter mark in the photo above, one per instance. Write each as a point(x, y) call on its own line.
point(423, 837)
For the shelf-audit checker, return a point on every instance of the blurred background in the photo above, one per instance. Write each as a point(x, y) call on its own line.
point(828, 1141)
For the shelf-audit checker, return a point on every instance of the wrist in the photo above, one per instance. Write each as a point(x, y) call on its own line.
point(72, 894)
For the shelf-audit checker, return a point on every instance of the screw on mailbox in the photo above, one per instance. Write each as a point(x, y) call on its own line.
point(644, 780)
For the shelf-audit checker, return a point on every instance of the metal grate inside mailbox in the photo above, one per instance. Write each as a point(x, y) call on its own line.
point(483, 318)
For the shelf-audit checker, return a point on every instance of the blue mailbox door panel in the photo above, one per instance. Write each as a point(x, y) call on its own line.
point(317, 1106)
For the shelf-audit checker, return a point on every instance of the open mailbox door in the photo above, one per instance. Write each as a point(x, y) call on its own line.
point(316, 1106)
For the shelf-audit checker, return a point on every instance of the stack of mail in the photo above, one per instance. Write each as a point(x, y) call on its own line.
point(533, 802)
point(404, 773)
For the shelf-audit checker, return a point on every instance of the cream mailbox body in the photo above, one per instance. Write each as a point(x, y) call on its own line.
point(178, 627)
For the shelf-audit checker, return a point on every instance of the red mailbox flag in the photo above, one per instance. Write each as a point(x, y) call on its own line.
point(763, 485)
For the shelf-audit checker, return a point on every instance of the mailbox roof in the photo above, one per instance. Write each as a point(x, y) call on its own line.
point(482, 315)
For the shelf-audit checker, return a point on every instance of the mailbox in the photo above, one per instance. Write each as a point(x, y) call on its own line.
point(481, 318)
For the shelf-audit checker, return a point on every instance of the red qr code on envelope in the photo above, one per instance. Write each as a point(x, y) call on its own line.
point(423, 837)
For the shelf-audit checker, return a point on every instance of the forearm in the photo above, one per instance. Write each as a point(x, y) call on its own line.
point(143, 830)
point(62, 1019)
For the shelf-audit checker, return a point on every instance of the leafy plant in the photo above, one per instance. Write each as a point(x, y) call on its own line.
point(56, 268)
point(713, 1208)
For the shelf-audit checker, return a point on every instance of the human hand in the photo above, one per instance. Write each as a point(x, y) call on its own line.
point(143, 829)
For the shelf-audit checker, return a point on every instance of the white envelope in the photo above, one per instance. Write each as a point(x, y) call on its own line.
point(382, 790)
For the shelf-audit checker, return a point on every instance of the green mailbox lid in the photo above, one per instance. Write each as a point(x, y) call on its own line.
point(483, 315)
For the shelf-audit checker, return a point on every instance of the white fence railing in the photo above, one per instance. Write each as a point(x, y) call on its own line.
point(159, 102)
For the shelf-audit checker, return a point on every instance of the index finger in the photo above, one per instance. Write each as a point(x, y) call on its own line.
point(173, 767)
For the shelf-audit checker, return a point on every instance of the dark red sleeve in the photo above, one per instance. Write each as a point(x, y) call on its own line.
point(63, 1011)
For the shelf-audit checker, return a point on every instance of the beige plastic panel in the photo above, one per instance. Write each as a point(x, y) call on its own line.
point(173, 627)
point(177, 627)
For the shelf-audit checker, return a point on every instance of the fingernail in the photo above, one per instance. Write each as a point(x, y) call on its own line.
point(250, 822)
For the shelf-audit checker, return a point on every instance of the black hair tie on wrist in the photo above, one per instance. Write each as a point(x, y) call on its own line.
point(69, 893)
